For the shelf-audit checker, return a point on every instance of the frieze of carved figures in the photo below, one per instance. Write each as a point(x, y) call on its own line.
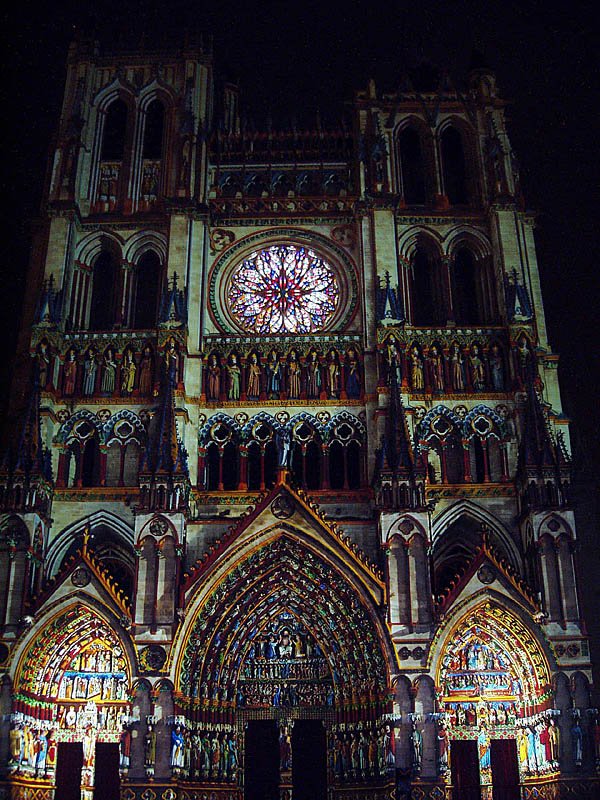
point(443, 366)
point(363, 752)
point(206, 752)
point(274, 374)
point(107, 372)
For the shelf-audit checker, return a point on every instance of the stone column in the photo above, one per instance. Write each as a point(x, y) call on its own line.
point(285, 759)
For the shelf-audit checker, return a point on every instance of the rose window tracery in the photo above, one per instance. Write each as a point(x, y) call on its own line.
point(283, 289)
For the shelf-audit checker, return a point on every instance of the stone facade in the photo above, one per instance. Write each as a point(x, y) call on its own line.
point(288, 513)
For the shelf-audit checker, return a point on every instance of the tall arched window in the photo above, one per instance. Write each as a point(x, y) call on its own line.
point(428, 303)
point(412, 165)
point(466, 289)
point(105, 291)
point(154, 131)
point(115, 130)
point(147, 291)
point(454, 167)
point(90, 463)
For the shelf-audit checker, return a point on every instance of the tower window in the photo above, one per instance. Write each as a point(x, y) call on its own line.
point(454, 168)
point(413, 172)
point(154, 130)
point(115, 126)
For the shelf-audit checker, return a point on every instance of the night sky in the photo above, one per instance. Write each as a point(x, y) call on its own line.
point(292, 59)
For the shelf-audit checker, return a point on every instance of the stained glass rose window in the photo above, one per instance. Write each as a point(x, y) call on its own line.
point(283, 289)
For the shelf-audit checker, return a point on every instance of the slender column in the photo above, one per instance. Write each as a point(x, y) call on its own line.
point(486, 461)
point(285, 759)
point(468, 478)
point(243, 482)
point(324, 467)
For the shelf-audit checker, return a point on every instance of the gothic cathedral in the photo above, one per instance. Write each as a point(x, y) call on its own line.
point(287, 515)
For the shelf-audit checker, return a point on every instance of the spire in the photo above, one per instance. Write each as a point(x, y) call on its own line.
point(26, 471)
point(544, 465)
point(165, 453)
point(164, 477)
point(399, 481)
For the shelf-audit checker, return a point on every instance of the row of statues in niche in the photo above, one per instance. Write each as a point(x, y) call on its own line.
point(276, 376)
point(364, 754)
point(471, 715)
point(204, 754)
point(107, 373)
point(440, 370)
point(265, 694)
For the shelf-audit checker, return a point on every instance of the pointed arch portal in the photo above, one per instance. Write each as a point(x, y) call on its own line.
point(286, 637)
point(494, 687)
point(71, 695)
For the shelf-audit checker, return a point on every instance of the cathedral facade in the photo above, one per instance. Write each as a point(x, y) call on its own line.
point(287, 511)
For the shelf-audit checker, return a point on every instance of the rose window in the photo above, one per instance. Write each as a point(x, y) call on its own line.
point(283, 289)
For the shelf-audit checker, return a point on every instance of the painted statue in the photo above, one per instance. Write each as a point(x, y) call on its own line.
point(437, 369)
point(145, 381)
point(417, 747)
point(483, 748)
point(457, 373)
point(352, 376)
point(213, 379)
point(150, 748)
point(313, 376)
point(254, 378)
point(496, 368)
point(274, 376)
point(109, 372)
point(416, 370)
point(177, 747)
point(334, 375)
point(293, 376)
point(90, 368)
point(128, 374)
point(477, 369)
point(233, 378)
point(70, 373)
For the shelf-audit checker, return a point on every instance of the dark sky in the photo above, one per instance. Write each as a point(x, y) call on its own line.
point(294, 57)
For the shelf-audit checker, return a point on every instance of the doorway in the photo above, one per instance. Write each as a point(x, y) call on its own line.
point(505, 769)
point(464, 770)
point(69, 762)
point(106, 775)
point(261, 762)
point(309, 760)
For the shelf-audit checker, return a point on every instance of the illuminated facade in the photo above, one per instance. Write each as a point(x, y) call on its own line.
point(287, 512)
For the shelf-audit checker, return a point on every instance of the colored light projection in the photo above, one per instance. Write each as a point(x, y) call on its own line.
point(75, 674)
point(284, 666)
point(295, 614)
point(493, 672)
point(283, 289)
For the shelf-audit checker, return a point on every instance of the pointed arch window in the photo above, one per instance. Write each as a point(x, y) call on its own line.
point(147, 291)
point(115, 131)
point(154, 131)
point(105, 289)
point(466, 289)
point(412, 165)
point(454, 167)
point(428, 302)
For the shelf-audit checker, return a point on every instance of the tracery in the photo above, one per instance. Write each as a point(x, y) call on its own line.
point(283, 289)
